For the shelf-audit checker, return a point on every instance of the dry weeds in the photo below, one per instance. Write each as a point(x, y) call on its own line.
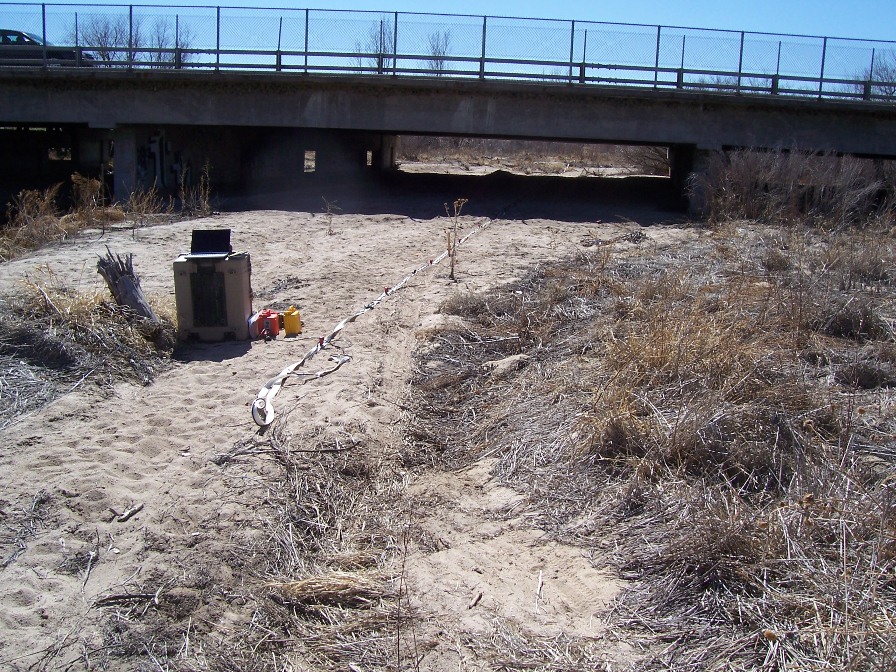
point(720, 422)
point(54, 338)
point(796, 187)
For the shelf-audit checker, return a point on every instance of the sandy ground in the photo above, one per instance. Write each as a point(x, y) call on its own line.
point(66, 470)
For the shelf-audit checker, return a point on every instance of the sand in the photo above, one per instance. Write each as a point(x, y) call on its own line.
point(69, 472)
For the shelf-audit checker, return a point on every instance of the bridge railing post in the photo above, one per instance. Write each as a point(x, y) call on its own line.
point(130, 36)
point(279, 64)
point(43, 20)
point(307, 11)
point(395, 46)
point(656, 65)
point(178, 51)
point(572, 46)
point(217, 38)
point(740, 62)
point(584, 54)
point(482, 58)
point(866, 89)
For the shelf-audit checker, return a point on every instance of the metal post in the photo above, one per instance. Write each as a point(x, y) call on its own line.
point(130, 36)
point(217, 38)
point(867, 87)
point(380, 51)
point(43, 20)
point(584, 56)
point(680, 79)
point(395, 47)
point(824, 53)
point(279, 44)
point(656, 67)
point(178, 56)
point(482, 59)
point(306, 41)
point(572, 45)
point(776, 80)
point(77, 39)
point(740, 61)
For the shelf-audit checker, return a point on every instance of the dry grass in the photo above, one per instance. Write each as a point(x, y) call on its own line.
point(35, 217)
point(796, 187)
point(718, 422)
point(54, 338)
point(33, 221)
point(195, 199)
point(331, 528)
point(147, 205)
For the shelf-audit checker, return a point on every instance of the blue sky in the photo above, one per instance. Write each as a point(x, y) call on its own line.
point(868, 19)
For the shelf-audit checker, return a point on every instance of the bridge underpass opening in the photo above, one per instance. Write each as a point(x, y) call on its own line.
point(539, 172)
point(482, 156)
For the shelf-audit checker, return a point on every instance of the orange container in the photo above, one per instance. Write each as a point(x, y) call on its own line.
point(264, 324)
point(270, 320)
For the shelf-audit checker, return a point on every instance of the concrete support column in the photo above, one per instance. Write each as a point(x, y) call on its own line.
point(697, 186)
point(125, 162)
point(681, 164)
point(385, 157)
point(689, 170)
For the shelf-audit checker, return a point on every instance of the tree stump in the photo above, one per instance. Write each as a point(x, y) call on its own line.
point(124, 284)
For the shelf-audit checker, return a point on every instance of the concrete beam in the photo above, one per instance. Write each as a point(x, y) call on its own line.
point(396, 106)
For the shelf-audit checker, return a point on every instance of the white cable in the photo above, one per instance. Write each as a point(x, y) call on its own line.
point(262, 407)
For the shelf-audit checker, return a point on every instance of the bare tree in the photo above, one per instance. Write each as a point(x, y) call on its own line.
point(879, 79)
point(111, 39)
point(114, 40)
point(439, 45)
point(167, 43)
point(378, 50)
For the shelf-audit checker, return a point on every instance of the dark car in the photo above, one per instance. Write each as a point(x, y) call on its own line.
point(19, 48)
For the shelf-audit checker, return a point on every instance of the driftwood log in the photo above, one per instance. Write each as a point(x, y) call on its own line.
point(124, 284)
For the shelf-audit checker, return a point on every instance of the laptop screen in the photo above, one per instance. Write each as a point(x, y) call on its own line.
point(210, 241)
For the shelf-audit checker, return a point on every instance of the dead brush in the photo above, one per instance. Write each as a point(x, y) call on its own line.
point(66, 336)
point(35, 218)
point(33, 222)
point(683, 420)
point(143, 204)
point(335, 524)
point(89, 209)
point(195, 199)
point(791, 187)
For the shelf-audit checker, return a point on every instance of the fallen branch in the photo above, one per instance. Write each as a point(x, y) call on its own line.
point(130, 513)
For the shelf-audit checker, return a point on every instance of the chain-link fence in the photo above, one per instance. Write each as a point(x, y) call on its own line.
point(416, 44)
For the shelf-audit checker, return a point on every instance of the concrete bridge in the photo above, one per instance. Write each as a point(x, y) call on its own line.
point(255, 128)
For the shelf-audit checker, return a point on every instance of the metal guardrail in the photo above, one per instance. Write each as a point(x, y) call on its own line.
point(403, 44)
